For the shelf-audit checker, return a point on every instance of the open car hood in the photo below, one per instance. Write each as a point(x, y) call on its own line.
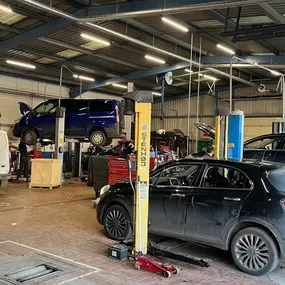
point(206, 129)
point(24, 108)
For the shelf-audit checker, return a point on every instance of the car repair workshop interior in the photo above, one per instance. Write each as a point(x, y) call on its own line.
point(142, 142)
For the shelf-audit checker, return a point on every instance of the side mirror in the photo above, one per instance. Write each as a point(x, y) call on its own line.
point(174, 182)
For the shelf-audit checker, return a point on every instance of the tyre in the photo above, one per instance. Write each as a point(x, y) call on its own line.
point(108, 142)
point(254, 251)
point(98, 138)
point(30, 137)
point(117, 223)
point(167, 274)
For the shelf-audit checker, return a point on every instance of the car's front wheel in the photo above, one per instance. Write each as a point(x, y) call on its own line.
point(30, 137)
point(117, 224)
point(254, 251)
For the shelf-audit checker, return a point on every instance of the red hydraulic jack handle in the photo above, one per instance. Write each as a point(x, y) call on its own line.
point(155, 265)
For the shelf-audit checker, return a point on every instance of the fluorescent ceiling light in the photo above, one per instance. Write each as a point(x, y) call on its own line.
point(274, 72)
point(50, 9)
point(175, 24)
point(95, 39)
point(120, 86)
point(226, 49)
point(188, 70)
point(84, 77)
point(22, 64)
point(153, 58)
point(5, 8)
point(208, 77)
point(156, 93)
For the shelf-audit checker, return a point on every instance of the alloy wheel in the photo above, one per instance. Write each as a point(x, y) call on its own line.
point(116, 223)
point(252, 252)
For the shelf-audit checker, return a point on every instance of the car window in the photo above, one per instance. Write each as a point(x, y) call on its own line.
point(225, 177)
point(100, 106)
point(46, 108)
point(67, 104)
point(264, 143)
point(179, 175)
point(81, 106)
point(153, 178)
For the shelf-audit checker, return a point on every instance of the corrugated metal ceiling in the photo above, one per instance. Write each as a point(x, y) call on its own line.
point(251, 15)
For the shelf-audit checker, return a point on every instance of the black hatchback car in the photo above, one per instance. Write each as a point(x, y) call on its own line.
point(236, 206)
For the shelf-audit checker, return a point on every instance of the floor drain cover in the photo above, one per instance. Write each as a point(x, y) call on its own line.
point(35, 269)
point(31, 274)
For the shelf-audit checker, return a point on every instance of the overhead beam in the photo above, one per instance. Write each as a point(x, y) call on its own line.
point(179, 42)
point(149, 7)
point(74, 92)
point(67, 61)
point(270, 12)
point(260, 59)
point(33, 75)
point(34, 34)
point(231, 24)
point(90, 53)
point(142, 26)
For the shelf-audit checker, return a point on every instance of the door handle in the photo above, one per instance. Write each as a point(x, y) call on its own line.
point(232, 199)
point(177, 195)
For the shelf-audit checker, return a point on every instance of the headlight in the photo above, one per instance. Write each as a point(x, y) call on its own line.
point(104, 189)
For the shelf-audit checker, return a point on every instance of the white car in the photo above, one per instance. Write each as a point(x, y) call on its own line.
point(4, 154)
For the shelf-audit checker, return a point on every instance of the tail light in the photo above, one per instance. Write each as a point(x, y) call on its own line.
point(282, 202)
point(117, 116)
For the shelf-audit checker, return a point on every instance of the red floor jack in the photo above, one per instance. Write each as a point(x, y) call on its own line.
point(155, 265)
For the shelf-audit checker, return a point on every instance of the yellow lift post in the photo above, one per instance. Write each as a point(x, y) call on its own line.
point(139, 102)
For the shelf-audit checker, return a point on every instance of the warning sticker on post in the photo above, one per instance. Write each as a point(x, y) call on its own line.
point(143, 190)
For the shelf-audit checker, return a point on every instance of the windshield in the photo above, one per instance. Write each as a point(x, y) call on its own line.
point(277, 178)
point(47, 107)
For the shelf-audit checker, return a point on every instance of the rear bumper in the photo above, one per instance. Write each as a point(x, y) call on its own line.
point(115, 132)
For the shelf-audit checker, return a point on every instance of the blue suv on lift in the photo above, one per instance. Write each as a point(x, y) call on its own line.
point(95, 120)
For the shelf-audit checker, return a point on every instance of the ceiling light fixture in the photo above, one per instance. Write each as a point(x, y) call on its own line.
point(175, 24)
point(5, 8)
point(188, 70)
point(274, 72)
point(22, 64)
point(156, 59)
point(84, 77)
point(120, 86)
point(156, 94)
point(95, 39)
point(210, 77)
point(226, 49)
point(50, 9)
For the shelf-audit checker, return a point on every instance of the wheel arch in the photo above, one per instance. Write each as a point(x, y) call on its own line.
point(30, 128)
point(258, 224)
point(96, 128)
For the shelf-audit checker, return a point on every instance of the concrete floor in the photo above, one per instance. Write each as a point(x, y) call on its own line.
point(63, 222)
